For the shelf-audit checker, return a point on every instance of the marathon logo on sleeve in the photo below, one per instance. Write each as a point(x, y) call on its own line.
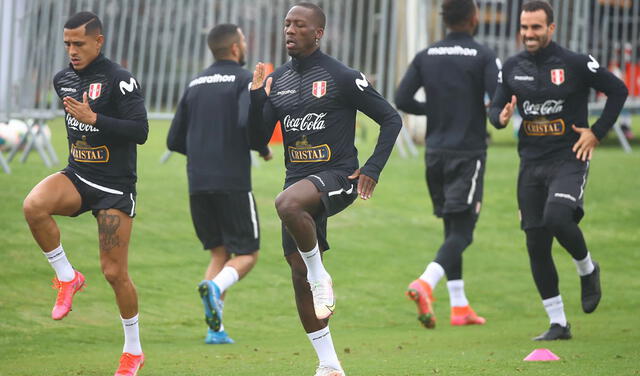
point(452, 51)
point(83, 152)
point(544, 127)
point(303, 152)
point(214, 79)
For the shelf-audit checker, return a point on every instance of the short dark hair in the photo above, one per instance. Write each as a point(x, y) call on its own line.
point(455, 12)
point(534, 5)
point(221, 38)
point(318, 14)
point(92, 23)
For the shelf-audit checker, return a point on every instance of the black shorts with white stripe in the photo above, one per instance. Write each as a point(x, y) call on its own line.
point(226, 218)
point(96, 197)
point(455, 181)
point(560, 181)
point(338, 193)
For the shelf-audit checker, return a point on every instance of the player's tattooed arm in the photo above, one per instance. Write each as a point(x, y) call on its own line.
point(108, 225)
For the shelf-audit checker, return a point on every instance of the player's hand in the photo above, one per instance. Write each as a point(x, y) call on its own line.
point(258, 78)
point(80, 110)
point(267, 157)
point(585, 144)
point(366, 185)
point(507, 111)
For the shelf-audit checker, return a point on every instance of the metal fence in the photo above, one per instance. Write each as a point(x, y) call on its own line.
point(163, 42)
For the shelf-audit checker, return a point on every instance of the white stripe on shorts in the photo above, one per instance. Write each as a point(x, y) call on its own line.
point(584, 181)
point(97, 186)
point(254, 219)
point(339, 191)
point(472, 191)
point(133, 207)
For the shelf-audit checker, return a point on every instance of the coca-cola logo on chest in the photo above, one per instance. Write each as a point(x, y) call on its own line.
point(309, 122)
point(548, 107)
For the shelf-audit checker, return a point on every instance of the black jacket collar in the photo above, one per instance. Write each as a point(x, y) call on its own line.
point(300, 64)
point(92, 67)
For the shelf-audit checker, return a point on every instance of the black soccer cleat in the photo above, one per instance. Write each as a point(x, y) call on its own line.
point(591, 292)
point(556, 331)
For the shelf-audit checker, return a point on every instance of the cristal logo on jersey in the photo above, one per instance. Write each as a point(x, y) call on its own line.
point(557, 76)
point(319, 89)
point(95, 90)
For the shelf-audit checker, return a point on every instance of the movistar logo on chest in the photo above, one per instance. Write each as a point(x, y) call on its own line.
point(214, 79)
point(76, 125)
point(309, 122)
point(452, 51)
point(548, 107)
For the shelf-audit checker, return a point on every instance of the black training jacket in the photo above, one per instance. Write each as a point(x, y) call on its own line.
point(105, 153)
point(315, 99)
point(210, 128)
point(455, 72)
point(552, 91)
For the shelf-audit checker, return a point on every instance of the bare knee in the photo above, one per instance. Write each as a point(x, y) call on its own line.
point(114, 274)
point(288, 208)
point(34, 209)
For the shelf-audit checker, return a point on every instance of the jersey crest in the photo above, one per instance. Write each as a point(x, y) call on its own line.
point(95, 90)
point(557, 76)
point(319, 89)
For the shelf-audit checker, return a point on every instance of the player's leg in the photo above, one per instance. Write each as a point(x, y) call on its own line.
point(55, 195)
point(563, 211)
point(297, 206)
point(531, 201)
point(459, 237)
point(317, 330)
point(114, 231)
point(421, 289)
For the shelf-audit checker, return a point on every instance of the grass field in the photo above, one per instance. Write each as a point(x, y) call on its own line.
point(378, 247)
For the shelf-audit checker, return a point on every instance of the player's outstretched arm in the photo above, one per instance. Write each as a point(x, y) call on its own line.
point(261, 116)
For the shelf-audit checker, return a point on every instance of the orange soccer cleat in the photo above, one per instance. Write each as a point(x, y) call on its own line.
point(465, 316)
point(420, 292)
point(130, 364)
point(66, 291)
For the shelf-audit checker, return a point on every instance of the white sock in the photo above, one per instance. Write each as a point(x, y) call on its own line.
point(322, 343)
point(432, 274)
point(227, 277)
point(555, 310)
point(58, 260)
point(584, 266)
point(131, 336)
point(456, 293)
point(313, 261)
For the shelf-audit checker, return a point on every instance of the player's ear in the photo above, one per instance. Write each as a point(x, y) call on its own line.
point(319, 33)
point(99, 40)
point(552, 28)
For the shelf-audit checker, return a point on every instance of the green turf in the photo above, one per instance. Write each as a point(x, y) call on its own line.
point(379, 246)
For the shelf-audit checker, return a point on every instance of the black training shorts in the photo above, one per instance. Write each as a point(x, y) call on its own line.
point(96, 197)
point(560, 181)
point(455, 182)
point(338, 193)
point(226, 218)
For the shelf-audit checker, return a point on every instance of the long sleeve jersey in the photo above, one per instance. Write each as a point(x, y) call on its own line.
point(315, 99)
point(210, 128)
point(106, 151)
point(455, 73)
point(552, 92)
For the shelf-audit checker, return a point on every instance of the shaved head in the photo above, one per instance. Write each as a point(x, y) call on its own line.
point(319, 19)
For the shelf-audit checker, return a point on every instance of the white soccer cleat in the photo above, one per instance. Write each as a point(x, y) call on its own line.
point(329, 371)
point(323, 300)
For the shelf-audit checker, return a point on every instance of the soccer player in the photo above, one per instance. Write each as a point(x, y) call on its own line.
point(105, 118)
point(550, 85)
point(315, 98)
point(455, 72)
point(210, 128)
